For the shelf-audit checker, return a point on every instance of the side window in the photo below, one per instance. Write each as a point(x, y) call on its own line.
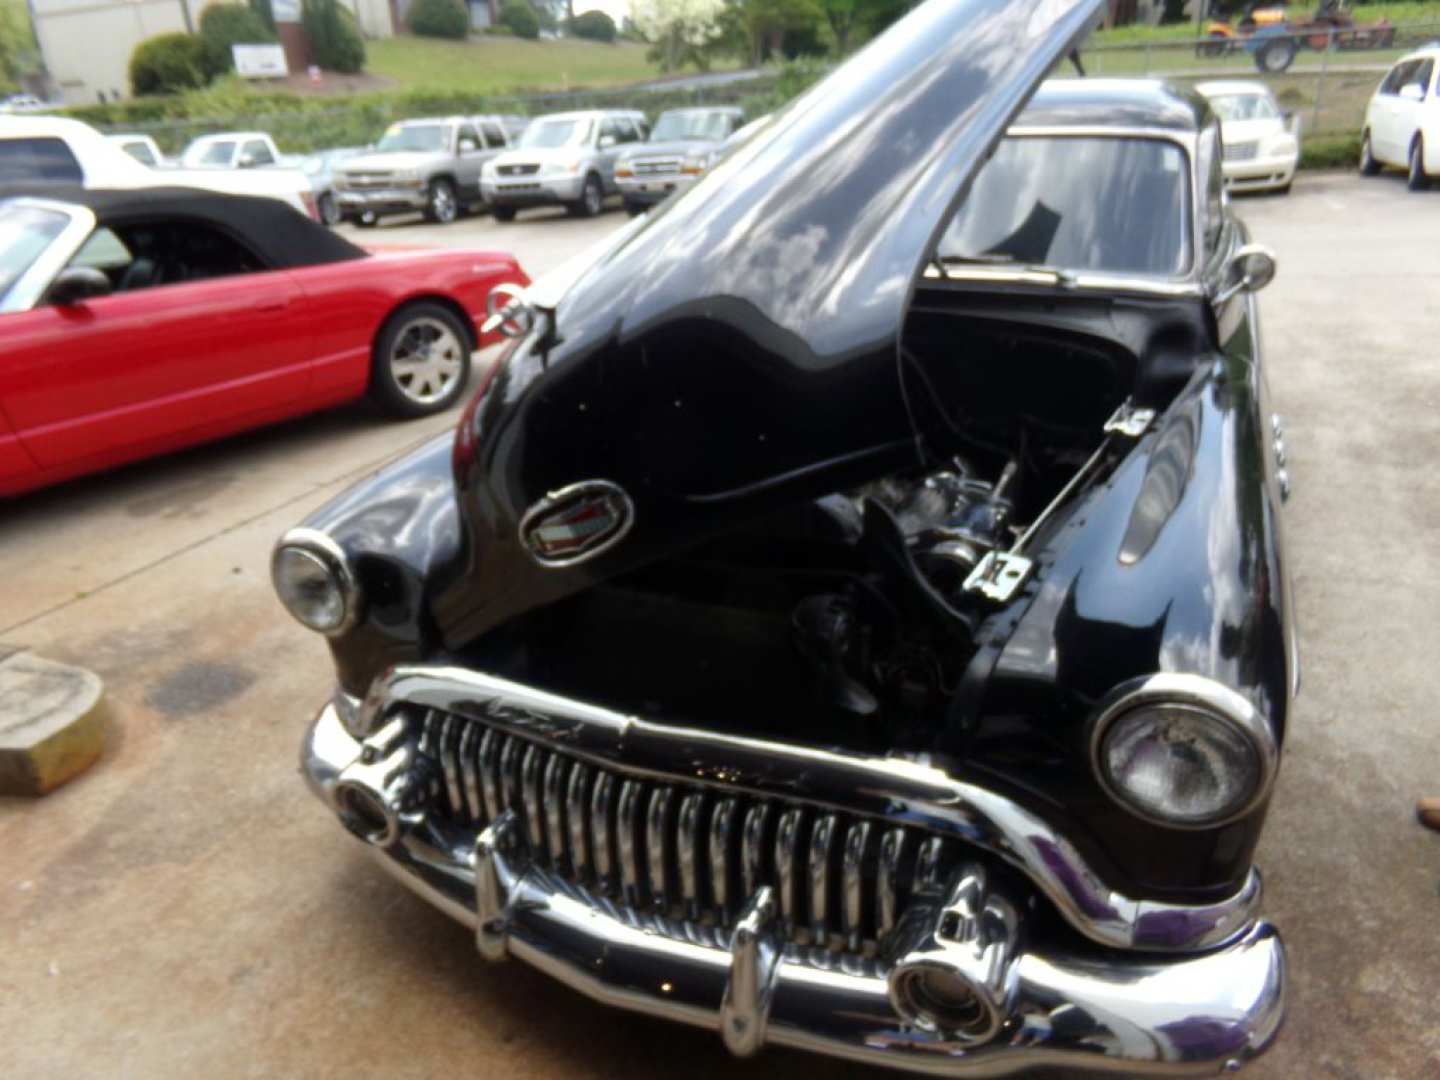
point(1398, 77)
point(630, 131)
point(172, 252)
point(1422, 77)
point(1211, 203)
point(608, 127)
point(48, 160)
point(494, 137)
point(256, 152)
point(467, 131)
point(140, 152)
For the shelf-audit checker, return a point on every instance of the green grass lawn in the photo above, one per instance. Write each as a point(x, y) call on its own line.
point(493, 65)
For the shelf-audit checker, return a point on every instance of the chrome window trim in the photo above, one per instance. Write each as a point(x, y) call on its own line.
point(324, 547)
point(907, 791)
point(30, 287)
point(1180, 285)
point(1198, 693)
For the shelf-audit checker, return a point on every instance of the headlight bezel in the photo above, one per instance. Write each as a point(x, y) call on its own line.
point(322, 548)
point(1193, 694)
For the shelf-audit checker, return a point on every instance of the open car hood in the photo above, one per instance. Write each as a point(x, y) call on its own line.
point(822, 220)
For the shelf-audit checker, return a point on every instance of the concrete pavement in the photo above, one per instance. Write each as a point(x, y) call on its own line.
point(187, 906)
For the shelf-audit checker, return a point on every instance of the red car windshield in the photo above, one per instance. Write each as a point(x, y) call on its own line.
point(25, 233)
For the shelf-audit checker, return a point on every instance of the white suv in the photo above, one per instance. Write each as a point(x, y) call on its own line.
point(1402, 121)
point(565, 159)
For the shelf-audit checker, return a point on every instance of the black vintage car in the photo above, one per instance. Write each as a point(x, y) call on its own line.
point(853, 615)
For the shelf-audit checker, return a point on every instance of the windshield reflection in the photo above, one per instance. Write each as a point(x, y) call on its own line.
point(1102, 203)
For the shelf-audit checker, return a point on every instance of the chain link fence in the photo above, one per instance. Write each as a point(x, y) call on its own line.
point(1324, 76)
point(1326, 80)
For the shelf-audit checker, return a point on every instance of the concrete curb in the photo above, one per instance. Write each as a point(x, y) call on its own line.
point(51, 722)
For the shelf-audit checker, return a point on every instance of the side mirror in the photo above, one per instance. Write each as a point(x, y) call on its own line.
point(1412, 92)
point(607, 141)
point(467, 145)
point(76, 284)
point(1251, 268)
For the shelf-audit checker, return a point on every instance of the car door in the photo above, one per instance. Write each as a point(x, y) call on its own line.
point(607, 149)
point(1408, 105)
point(255, 154)
point(1383, 118)
point(197, 338)
point(470, 156)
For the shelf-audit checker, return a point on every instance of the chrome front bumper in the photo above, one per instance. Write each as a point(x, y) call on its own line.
point(382, 199)
point(1108, 1009)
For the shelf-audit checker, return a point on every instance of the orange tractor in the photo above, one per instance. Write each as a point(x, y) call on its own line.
point(1273, 38)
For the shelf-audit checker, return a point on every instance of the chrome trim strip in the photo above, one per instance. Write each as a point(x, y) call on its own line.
point(555, 786)
point(576, 799)
point(822, 838)
point(601, 811)
point(892, 850)
point(469, 768)
point(1138, 1014)
point(490, 773)
point(692, 870)
point(906, 792)
point(627, 821)
point(723, 830)
point(658, 822)
point(788, 872)
point(1206, 696)
point(532, 796)
point(852, 894)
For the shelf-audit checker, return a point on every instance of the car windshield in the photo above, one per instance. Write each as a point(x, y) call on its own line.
point(423, 138)
point(688, 126)
point(1244, 107)
point(25, 232)
point(548, 134)
point(1070, 203)
point(210, 153)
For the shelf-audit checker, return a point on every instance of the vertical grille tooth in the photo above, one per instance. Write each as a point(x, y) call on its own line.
point(449, 735)
point(510, 775)
point(888, 879)
point(555, 778)
point(470, 771)
point(531, 774)
point(754, 864)
point(660, 844)
point(724, 830)
point(822, 873)
point(690, 836)
point(929, 865)
point(857, 841)
point(490, 773)
point(627, 816)
point(577, 812)
point(790, 865)
point(602, 818)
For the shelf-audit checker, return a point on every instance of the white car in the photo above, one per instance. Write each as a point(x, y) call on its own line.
point(1261, 148)
point(1402, 121)
point(45, 151)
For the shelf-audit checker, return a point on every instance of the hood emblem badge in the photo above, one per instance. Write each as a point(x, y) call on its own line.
point(577, 522)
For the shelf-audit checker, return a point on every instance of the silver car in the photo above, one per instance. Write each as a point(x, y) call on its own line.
point(565, 159)
point(428, 165)
point(683, 145)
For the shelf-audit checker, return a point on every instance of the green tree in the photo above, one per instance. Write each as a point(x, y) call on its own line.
point(520, 19)
point(765, 23)
point(265, 12)
point(18, 54)
point(224, 25)
point(334, 41)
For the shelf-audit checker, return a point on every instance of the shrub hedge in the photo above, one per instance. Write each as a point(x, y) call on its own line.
point(594, 25)
point(334, 39)
point(439, 19)
point(167, 64)
point(520, 19)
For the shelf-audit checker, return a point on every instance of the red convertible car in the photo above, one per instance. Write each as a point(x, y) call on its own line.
point(136, 322)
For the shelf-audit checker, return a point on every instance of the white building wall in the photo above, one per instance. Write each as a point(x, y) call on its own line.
point(87, 44)
point(373, 18)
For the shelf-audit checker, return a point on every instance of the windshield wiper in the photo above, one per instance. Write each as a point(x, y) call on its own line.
point(1063, 278)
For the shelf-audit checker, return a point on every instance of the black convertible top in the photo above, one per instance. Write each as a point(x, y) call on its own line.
point(276, 231)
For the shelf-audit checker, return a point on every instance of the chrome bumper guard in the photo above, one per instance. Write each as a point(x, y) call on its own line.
point(1023, 1007)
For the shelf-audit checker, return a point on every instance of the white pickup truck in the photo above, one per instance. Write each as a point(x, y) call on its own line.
point(235, 150)
point(45, 151)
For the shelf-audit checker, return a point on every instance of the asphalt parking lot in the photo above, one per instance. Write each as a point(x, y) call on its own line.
point(186, 907)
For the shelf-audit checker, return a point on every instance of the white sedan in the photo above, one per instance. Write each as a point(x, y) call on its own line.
point(1402, 121)
point(1261, 150)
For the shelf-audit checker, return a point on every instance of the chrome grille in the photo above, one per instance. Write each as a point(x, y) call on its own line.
point(683, 850)
point(1241, 151)
point(654, 166)
point(361, 180)
point(517, 170)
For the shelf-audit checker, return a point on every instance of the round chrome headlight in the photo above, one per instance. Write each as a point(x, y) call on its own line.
point(313, 579)
point(1183, 751)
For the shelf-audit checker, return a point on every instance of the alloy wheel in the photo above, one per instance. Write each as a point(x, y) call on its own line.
point(594, 197)
point(425, 360)
point(442, 203)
